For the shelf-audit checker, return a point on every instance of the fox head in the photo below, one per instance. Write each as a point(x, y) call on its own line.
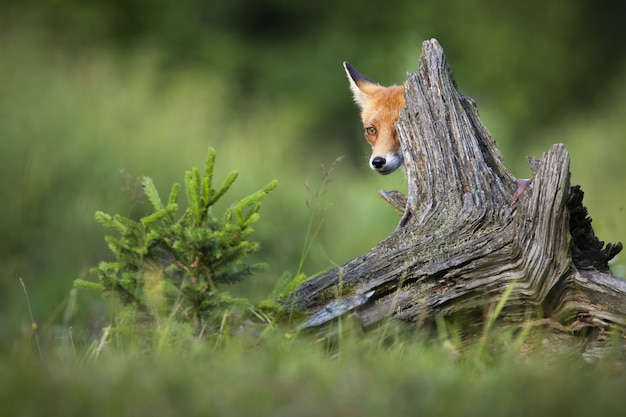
point(380, 110)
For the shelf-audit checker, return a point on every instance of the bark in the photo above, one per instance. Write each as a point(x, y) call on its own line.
point(470, 230)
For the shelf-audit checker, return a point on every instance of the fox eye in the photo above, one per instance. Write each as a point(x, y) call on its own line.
point(370, 130)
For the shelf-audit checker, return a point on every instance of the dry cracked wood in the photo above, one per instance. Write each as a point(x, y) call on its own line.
point(470, 230)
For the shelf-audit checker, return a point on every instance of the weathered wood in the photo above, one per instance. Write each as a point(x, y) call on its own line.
point(470, 230)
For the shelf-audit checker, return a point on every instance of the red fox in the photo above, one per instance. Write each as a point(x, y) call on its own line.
point(380, 109)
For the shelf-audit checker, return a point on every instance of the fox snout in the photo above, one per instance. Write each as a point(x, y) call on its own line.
point(380, 110)
point(385, 165)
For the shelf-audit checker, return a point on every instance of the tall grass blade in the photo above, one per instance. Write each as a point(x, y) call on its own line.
point(32, 320)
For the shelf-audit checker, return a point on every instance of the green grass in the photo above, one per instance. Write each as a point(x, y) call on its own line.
point(287, 374)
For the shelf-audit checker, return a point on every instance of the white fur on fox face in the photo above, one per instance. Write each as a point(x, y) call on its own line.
point(386, 164)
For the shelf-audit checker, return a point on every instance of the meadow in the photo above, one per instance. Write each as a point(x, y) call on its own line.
point(79, 125)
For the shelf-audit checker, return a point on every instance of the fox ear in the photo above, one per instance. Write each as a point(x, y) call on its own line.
point(362, 87)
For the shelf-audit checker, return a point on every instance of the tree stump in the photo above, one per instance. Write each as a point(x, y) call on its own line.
point(470, 230)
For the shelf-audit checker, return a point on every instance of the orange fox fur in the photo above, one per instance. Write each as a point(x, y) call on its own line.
point(380, 109)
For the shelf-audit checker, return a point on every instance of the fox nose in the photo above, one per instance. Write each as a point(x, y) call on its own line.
point(378, 162)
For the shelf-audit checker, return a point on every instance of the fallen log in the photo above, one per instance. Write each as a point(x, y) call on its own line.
point(470, 230)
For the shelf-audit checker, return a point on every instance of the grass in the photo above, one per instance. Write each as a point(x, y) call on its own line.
point(288, 374)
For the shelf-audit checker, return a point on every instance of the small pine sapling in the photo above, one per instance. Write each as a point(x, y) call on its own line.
point(173, 266)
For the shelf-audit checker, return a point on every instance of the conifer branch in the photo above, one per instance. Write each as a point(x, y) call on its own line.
point(181, 263)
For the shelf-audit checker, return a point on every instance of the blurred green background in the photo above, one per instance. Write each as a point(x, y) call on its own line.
point(95, 94)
